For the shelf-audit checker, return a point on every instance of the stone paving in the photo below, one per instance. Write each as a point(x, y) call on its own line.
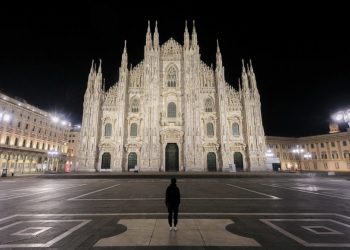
point(267, 213)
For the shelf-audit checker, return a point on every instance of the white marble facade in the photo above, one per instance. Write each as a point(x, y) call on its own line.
point(172, 103)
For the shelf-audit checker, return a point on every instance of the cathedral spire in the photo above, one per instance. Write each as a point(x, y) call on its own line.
point(243, 68)
point(100, 67)
point(194, 36)
point(92, 69)
point(148, 36)
point(124, 63)
point(156, 37)
point(218, 55)
point(251, 66)
point(244, 78)
point(186, 37)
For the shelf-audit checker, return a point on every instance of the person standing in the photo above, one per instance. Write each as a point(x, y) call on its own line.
point(172, 201)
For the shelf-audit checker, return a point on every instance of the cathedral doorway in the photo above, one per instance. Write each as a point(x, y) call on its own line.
point(132, 160)
point(211, 162)
point(238, 160)
point(106, 161)
point(172, 157)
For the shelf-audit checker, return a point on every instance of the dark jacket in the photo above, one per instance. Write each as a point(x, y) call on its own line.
point(172, 197)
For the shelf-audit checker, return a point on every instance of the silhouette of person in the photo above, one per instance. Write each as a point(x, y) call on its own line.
point(172, 201)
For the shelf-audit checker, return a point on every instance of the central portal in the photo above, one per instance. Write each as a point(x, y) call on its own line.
point(172, 157)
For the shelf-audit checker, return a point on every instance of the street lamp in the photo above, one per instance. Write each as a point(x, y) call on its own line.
point(342, 116)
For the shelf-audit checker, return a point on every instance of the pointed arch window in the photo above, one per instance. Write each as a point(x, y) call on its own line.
point(133, 130)
point(235, 129)
point(210, 129)
point(171, 77)
point(135, 106)
point(108, 129)
point(171, 110)
point(209, 106)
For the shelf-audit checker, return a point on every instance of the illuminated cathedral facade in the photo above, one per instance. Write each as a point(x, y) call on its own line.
point(172, 112)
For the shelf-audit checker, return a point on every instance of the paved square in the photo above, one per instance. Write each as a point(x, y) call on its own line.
point(95, 213)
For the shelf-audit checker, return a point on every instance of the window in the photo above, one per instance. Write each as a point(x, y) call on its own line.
point(72, 141)
point(335, 155)
point(7, 140)
point(322, 145)
point(27, 126)
point(312, 145)
point(210, 129)
point(235, 129)
point(133, 130)
point(33, 129)
point(108, 129)
point(209, 105)
point(323, 155)
point(172, 77)
point(31, 144)
point(345, 143)
point(332, 144)
point(135, 106)
point(16, 142)
point(171, 110)
point(24, 143)
point(19, 125)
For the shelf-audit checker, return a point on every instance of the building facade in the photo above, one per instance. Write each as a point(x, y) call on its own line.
point(172, 112)
point(73, 146)
point(31, 140)
point(328, 152)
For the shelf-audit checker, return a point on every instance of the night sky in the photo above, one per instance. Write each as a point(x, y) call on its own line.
point(300, 54)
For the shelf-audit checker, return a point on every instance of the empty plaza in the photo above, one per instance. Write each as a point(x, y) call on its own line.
point(268, 212)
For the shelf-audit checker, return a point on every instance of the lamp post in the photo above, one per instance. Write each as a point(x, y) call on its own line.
point(342, 116)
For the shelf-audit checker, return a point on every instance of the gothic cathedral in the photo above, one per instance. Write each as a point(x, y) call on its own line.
point(172, 112)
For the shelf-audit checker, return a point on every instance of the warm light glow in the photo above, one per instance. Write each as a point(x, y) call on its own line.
point(307, 156)
point(6, 117)
point(53, 152)
point(64, 123)
point(54, 119)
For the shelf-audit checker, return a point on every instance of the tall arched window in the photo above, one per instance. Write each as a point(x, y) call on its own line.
point(135, 106)
point(7, 140)
point(24, 143)
point(235, 129)
point(16, 142)
point(210, 129)
point(171, 77)
point(133, 130)
point(171, 110)
point(108, 129)
point(209, 107)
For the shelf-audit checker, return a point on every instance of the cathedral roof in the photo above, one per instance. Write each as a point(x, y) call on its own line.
point(171, 48)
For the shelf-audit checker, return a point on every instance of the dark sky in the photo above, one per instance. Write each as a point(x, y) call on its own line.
point(301, 54)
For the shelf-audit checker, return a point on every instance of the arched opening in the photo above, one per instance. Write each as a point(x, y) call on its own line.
point(210, 129)
point(172, 157)
point(209, 107)
point(211, 162)
point(172, 77)
point(106, 161)
point(108, 129)
point(132, 160)
point(133, 130)
point(235, 129)
point(171, 110)
point(135, 106)
point(238, 160)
